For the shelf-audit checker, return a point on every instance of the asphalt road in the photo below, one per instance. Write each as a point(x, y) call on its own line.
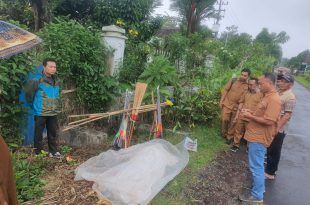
point(292, 184)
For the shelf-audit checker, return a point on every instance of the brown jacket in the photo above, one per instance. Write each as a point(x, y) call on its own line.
point(251, 100)
point(7, 183)
point(269, 108)
point(235, 90)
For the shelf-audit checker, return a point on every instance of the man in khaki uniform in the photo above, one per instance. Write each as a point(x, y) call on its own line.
point(288, 101)
point(248, 101)
point(231, 95)
point(259, 133)
point(7, 182)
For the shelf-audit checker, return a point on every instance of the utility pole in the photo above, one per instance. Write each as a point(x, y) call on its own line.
point(219, 16)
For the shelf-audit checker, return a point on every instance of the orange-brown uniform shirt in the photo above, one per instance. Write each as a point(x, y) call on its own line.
point(250, 101)
point(269, 108)
point(235, 90)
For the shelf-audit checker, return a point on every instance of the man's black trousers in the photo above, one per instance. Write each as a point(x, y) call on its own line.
point(51, 124)
point(274, 154)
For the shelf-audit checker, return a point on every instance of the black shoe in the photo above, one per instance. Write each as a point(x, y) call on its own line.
point(247, 197)
point(234, 148)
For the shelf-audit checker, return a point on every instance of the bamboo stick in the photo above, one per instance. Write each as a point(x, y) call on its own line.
point(111, 113)
point(88, 120)
point(118, 111)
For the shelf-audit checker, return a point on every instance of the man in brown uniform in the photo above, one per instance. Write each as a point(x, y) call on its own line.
point(231, 95)
point(248, 101)
point(259, 134)
point(288, 101)
point(7, 183)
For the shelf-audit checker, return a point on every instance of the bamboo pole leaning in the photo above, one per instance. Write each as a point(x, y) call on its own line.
point(97, 116)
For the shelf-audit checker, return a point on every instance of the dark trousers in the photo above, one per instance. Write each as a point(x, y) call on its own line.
point(51, 124)
point(274, 154)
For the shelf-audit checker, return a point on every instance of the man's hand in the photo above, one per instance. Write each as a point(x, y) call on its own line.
point(246, 113)
point(221, 104)
point(235, 119)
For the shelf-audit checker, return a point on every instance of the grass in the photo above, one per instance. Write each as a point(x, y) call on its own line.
point(304, 80)
point(209, 144)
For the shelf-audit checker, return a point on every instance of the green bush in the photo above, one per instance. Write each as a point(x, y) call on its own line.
point(197, 51)
point(135, 60)
point(159, 73)
point(13, 71)
point(194, 107)
point(81, 62)
point(176, 45)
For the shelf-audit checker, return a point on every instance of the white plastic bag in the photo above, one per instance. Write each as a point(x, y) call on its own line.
point(136, 174)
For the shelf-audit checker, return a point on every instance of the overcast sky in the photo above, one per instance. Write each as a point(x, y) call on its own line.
point(292, 16)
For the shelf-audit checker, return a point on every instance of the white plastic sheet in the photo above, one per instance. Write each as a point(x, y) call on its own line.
point(136, 174)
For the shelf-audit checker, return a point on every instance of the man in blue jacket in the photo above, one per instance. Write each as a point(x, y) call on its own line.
point(43, 92)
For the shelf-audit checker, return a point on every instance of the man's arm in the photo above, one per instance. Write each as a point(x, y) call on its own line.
point(223, 98)
point(30, 90)
point(271, 115)
point(260, 120)
point(238, 112)
point(289, 106)
point(284, 119)
point(225, 91)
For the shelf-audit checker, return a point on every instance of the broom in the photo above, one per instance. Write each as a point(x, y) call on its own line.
point(139, 93)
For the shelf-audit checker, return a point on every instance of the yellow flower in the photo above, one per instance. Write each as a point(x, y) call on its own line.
point(169, 102)
point(133, 32)
point(120, 22)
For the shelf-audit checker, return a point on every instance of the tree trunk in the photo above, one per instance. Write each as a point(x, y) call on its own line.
point(191, 19)
point(40, 13)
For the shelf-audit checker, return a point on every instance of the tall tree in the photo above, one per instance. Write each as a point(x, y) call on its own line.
point(272, 42)
point(80, 10)
point(131, 11)
point(193, 12)
point(296, 62)
point(17, 10)
point(41, 13)
point(33, 13)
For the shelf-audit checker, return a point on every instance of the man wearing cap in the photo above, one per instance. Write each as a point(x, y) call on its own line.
point(231, 95)
point(259, 133)
point(288, 101)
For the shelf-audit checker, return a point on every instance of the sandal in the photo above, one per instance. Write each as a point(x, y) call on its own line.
point(269, 176)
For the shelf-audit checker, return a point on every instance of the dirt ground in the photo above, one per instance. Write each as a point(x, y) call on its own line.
point(60, 187)
point(222, 180)
point(218, 183)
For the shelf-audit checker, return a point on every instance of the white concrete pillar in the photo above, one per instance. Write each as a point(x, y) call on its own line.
point(114, 37)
